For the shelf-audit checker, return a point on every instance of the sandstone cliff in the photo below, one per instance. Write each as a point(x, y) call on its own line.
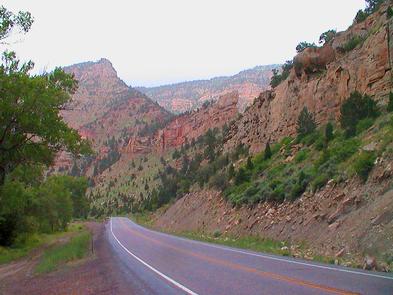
point(366, 68)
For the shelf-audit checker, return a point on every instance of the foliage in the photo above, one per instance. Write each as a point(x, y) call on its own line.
point(389, 12)
point(303, 45)
point(28, 204)
point(364, 124)
point(372, 6)
point(363, 164)
point(329, 132)
point(278, 77)
point(353, 43)
point(305, 123)
point(268, 152)
point(354, 109)
point(327, 36)
point(10, 21)
point(360, 16)
point(77, 248)
point(390, 103)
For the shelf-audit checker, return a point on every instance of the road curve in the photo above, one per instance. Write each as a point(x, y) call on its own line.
point(158, 263)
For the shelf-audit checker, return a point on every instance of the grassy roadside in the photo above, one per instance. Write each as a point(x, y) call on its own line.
point(76, 248)
point(253, 243)
point(32, 242)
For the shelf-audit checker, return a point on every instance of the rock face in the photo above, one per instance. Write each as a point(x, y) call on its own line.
point(190, 126)
point(186, 96)
point(366, 68)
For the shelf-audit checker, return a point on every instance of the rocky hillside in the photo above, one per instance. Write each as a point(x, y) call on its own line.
point(326, 194)
point(105, 107)
point(361, 61)
point(186, 96)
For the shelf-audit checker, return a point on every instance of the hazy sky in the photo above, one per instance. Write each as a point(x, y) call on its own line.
point(164, 41)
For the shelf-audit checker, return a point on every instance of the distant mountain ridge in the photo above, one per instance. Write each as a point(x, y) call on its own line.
point(184, 96)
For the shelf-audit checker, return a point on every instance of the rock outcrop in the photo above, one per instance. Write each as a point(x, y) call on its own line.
point(366, 68)
point(190, 126)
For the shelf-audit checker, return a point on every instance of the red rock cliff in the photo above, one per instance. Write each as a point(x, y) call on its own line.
point(366, 69)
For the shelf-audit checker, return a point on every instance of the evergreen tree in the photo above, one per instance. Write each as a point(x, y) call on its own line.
point(329, 132)
point(305, 123)
point(249, 165)
point(268, 152)
point(390, 103)
point(354, 109)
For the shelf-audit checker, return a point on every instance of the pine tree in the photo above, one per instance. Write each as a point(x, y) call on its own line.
point(268, 152)
point(329, 132)
point(305, 123)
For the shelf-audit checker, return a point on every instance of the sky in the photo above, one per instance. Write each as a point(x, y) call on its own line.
point(155, 42)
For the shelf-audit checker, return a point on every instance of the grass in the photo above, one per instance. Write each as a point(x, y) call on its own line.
point(76, 248)
point(254, 243)
point(8, 254)
point(23, 248)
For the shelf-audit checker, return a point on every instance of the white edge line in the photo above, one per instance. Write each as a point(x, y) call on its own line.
point(185, 289)
point(274, 258)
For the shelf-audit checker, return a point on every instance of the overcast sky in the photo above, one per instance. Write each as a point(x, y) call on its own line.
point(153, 42)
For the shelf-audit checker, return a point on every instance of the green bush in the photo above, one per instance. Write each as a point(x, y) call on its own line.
point(390, 103)
point(329, 132)
point(305, 123)
point(301, 155)
point(364, 124)
point(353, 43)
point(363, 164)
point(354, 109)
point(278, 77)
point(389, 12)
point(360, 16)
point(319, 181)
point(342, 150)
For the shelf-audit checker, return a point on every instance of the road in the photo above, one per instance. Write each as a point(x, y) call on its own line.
point(158, 263)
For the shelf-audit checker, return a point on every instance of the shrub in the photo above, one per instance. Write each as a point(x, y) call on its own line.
point(277, 77)
point(241, 176)
point(389, 12)
point(364, 124)
point(353, 43)
point(354, 109)
point(249, 165)
point(327, 36)
point(329, 132)
point(303, 45)
point(360, 16)
point(305, 123)
point(216, 233)
point(390, 103)
point(219, 181)
point(301, 156)
point(319, 181)
point(342, 150)
point(268, 152)
point(363, 164)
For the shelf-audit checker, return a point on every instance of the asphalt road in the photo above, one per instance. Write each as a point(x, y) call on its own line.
point(158, 263)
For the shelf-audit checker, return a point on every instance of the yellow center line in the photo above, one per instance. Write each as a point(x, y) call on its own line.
point(236, 266)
